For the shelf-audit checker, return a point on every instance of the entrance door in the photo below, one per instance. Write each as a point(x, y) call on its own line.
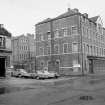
point(54, 67)
point(2, 67)
point(57, 66)
point(91, 66)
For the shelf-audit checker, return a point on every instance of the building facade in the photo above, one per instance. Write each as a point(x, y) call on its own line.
point(23, 48)
point(5, 50)
point(71, 43)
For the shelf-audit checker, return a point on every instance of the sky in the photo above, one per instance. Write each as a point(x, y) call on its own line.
point(20, 16)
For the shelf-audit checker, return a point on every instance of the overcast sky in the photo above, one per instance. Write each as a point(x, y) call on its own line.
point(20, 16)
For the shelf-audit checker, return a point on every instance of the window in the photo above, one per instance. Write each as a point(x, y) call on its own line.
point(41, 37)
point(88, 49)
point(20, 56)
point(41, 51)
point(74, 30)
point(48, 35)
point(42, 64)
point(56, 49)
point(2, 41)
point(75, 62)
point(65, 32)
point(97, 51)
point(75, 47)
point(65, 48)
point(91, 49)
point(84, 48)
point(48, 50)
point(83, 31)
point(100, 51)
point(104, 52)
point(94, 50)
point(87, 33)
point(56, 34)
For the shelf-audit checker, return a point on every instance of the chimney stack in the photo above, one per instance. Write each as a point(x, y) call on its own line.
point(69, 9)
point(75, 10)
point(86, 15)
point(1, 25)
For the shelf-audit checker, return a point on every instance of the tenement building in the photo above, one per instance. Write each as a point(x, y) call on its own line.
point(72, 43)
point(23, 48)
point(5, 50)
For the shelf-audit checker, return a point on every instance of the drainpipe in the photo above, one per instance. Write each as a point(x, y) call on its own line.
point(52, 45)
point(81, 47)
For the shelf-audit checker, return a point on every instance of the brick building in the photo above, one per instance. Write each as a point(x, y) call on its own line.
point(23, 48)
point(71, 43)
point(5, 50)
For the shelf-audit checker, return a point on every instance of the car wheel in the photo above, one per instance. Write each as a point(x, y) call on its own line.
point(37, 78)
point(56, 76)
point(20, 76)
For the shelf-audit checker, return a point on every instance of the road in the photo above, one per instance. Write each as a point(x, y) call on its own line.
point(87, 90)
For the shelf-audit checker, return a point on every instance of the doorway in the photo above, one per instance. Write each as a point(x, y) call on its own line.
point(57, 64)
point(54, 67)
point(91, 66)
point(2, 67)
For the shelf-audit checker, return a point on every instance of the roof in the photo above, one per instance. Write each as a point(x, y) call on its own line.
point(68, 13)
point(94, 19)
point(4, 32)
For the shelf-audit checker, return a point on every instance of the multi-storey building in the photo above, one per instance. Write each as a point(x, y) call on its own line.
point(23, 48)
point(71, 43)
point(5, 50)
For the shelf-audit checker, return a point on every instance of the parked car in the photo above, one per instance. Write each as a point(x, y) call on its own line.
point(44, 74)
point(55, 74)
point(15, 73)
point(21, 73)
point(9, 71)
point(33, 75)
point(41, 75)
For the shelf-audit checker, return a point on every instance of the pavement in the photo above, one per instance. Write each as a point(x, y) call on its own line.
point(16, 81)
point(62, 91)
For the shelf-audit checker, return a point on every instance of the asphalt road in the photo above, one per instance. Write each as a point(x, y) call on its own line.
point(81, 91)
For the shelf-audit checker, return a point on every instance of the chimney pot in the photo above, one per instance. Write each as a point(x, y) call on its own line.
point(86, 15)
point(76, 10)
point(1, 25)
point(68, 9)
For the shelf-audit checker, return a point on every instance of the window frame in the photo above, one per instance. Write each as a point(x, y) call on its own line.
point(73, 51)
point(57, 50)
point(63, 48)
point(48, 38)
point(72, 32)
point(41, 54)
point(65, 32)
